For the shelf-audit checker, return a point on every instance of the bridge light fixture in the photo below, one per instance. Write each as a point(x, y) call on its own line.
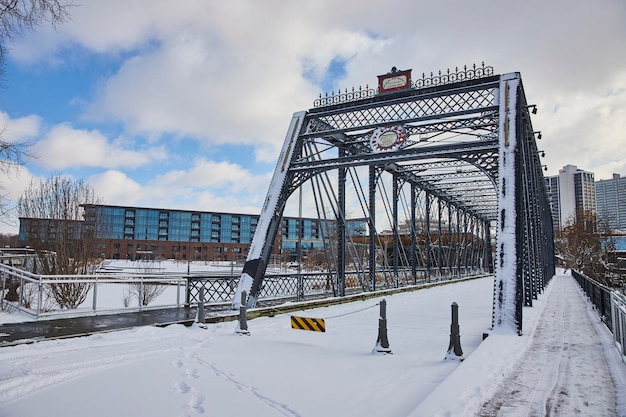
point(533, 107)
point(538, 134)
point(542, 153)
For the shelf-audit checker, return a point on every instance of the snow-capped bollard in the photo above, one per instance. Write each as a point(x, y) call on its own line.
point(13, 284)
point(454, 350)
point(242, 325)
point(200, 312)
point(382, 343)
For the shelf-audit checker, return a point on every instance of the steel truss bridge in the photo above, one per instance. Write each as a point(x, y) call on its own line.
point(443, 171)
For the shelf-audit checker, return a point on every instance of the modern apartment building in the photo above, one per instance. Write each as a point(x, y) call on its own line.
point(124, 232)
point(571, 192)
point(611, 202)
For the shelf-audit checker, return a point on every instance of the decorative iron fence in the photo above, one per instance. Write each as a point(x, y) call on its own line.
point(435, 79)
point(293, 286)
point(610, 306)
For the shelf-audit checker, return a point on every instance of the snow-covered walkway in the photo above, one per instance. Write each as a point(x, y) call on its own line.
point(565, 364)
point(565, 371)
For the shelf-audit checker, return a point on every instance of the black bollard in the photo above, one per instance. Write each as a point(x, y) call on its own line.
point(454, 349)
point(12, 294)
point(382, 343)
point(242, 327)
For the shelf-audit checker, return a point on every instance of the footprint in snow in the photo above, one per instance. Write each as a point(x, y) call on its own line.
point(192, 373)
point(182, 387)
point(196, 401)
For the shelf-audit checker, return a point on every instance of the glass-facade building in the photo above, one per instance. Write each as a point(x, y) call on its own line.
point(611, 202)
point(136, 223)
point(124, 232)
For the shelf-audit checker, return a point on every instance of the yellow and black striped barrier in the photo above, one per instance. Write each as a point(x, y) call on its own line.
point(307, 323)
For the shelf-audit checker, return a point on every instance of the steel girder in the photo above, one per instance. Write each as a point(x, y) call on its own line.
point(455, 138)
point(525, 245)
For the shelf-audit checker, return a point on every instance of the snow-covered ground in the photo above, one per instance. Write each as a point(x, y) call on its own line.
point(170, 267)
point(278, 371)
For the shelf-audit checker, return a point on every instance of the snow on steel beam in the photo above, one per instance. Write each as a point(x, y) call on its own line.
point(255, 265)
point(505, 315)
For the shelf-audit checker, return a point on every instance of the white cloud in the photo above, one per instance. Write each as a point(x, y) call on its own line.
point(206, 186)
point(17, 179)
point(233, 91)
point(587, 129)
point(225, 203)
point(220, 71)
point(64, 147)
point(211, 174)
point(116, 188)
point(19, 130)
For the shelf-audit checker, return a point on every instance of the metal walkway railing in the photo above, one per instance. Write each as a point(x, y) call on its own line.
point(610, 306)
point(45, 296)
point(42, 296)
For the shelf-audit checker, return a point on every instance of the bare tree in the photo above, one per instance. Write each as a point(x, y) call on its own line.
point(20, 16)
point(579, 242)
point(145, 291)
point(16, 18)
point(55, 229)
point(12, 155)
point(8, 240)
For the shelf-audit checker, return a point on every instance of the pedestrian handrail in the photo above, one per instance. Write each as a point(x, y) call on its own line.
point(42, 296)
point(610, 306)
point(219, 290)
point(618, 313)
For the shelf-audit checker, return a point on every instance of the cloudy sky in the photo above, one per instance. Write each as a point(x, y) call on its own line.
point(186, 104)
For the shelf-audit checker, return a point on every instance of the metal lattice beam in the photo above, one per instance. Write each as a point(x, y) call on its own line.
point(461, 143)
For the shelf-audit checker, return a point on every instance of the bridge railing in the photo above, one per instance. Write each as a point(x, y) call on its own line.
point(292, 286)
point(610, 306)
point(42, 296)
point(34, 294)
